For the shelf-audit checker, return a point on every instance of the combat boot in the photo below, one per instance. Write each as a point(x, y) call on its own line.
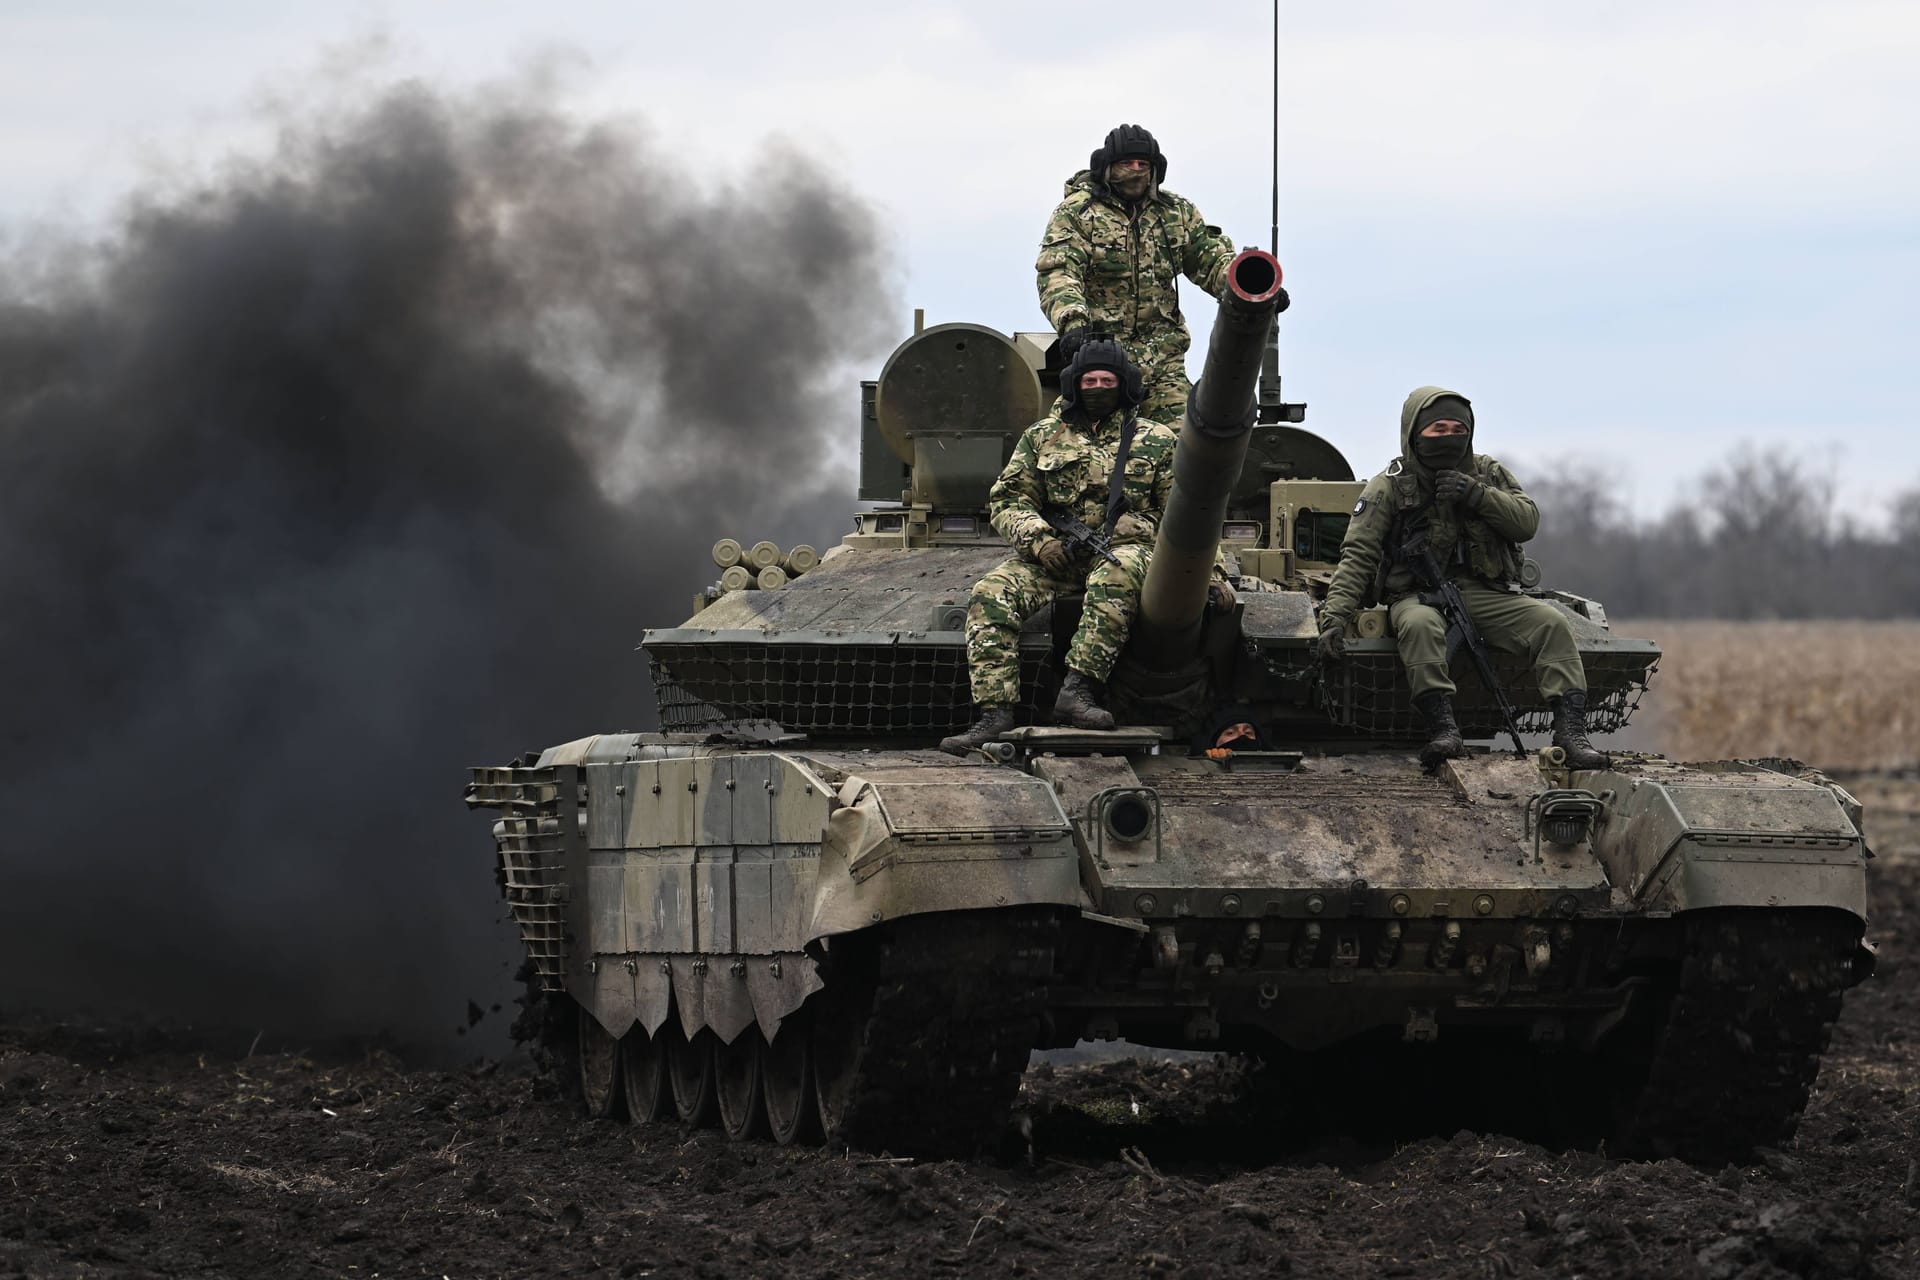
point(1443, 734)
point(993, 722)
point(1079, 704)
point(1570, 732)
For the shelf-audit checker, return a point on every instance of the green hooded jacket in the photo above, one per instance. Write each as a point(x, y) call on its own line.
point(1491, 526)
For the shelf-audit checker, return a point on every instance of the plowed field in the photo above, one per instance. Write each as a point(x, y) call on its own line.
point(137, 1154)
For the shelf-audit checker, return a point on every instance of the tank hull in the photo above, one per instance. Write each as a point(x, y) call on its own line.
point(717, 894)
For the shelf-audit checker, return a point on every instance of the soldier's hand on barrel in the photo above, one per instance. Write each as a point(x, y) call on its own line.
point(1221, 597)
point(1455, 486)
point(1333, 642)
point(1052, 554)
point(1131, 526)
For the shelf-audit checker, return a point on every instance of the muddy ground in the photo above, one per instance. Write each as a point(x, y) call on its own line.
point(134, 1154)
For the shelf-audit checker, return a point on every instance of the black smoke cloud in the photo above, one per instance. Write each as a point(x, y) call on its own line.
point(361, 463)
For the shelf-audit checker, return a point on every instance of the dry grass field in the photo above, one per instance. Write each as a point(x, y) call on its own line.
point(1842, 696)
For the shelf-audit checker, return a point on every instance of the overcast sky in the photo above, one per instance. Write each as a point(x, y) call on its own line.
point(1630, 230)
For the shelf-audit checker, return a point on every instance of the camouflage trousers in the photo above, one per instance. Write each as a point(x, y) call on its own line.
point(1019, 588)
point(1166, 400)
point(1516, 624)
point(1162, 357)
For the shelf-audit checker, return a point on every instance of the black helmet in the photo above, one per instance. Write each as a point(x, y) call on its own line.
point(1127, 142)
point(1100, 352)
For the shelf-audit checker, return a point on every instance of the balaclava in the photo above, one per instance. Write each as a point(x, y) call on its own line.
point(1099, 352)
point(1445, 453)
point(1099, 401)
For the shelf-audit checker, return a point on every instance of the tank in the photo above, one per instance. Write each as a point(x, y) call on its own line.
point(787, 913)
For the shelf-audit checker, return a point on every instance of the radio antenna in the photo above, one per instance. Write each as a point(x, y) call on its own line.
point(1271, 408)
point(1273, 243)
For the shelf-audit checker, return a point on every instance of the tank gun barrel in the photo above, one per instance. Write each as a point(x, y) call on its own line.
point(1213, 445)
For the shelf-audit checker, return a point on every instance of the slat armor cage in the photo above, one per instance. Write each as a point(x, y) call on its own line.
point(1368, 694)
point(532, 874)
point(831, 689)
point(841, 689)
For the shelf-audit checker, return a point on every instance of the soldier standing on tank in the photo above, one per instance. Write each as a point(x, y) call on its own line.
point(1111, 261)
point(1475, 515)
point(1099, 460)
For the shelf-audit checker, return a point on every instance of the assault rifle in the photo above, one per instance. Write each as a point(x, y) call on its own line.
point(1082, 540)
point(1437, 590)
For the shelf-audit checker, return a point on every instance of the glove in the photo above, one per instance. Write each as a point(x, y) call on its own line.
point(1052, 554)
point(1283, 300)
point(1333, 642)
point(1070, 341)
point(1220, 597)
point(1131, 526)
point(1456, 486)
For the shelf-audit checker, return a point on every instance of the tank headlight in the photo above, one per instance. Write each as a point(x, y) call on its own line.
point(1129, 816)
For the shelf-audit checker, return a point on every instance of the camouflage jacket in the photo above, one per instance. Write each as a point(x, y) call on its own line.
point(1479, 538)
point(1101, 266)
point(1057, 464)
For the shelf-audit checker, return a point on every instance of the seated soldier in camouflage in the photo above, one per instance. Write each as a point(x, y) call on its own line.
point(1475, 515)
point(1112, 257)
point(1065, 463)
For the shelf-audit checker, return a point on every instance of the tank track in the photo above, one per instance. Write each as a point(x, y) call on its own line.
point(1737, 1052)
point(955, 1006)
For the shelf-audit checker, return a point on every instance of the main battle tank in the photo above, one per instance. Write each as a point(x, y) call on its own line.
point(787, 912)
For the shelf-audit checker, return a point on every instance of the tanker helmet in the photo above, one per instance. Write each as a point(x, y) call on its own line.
point(1100, 351)
point(1127, 142)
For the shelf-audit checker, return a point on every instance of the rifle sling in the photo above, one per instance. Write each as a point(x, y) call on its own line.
point(1116, 497)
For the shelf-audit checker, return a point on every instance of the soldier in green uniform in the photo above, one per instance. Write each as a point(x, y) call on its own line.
point(1112, 257)
point(1067, 463)
point(1475, 515)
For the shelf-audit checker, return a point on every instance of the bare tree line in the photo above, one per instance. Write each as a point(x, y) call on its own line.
point(1759, 536)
